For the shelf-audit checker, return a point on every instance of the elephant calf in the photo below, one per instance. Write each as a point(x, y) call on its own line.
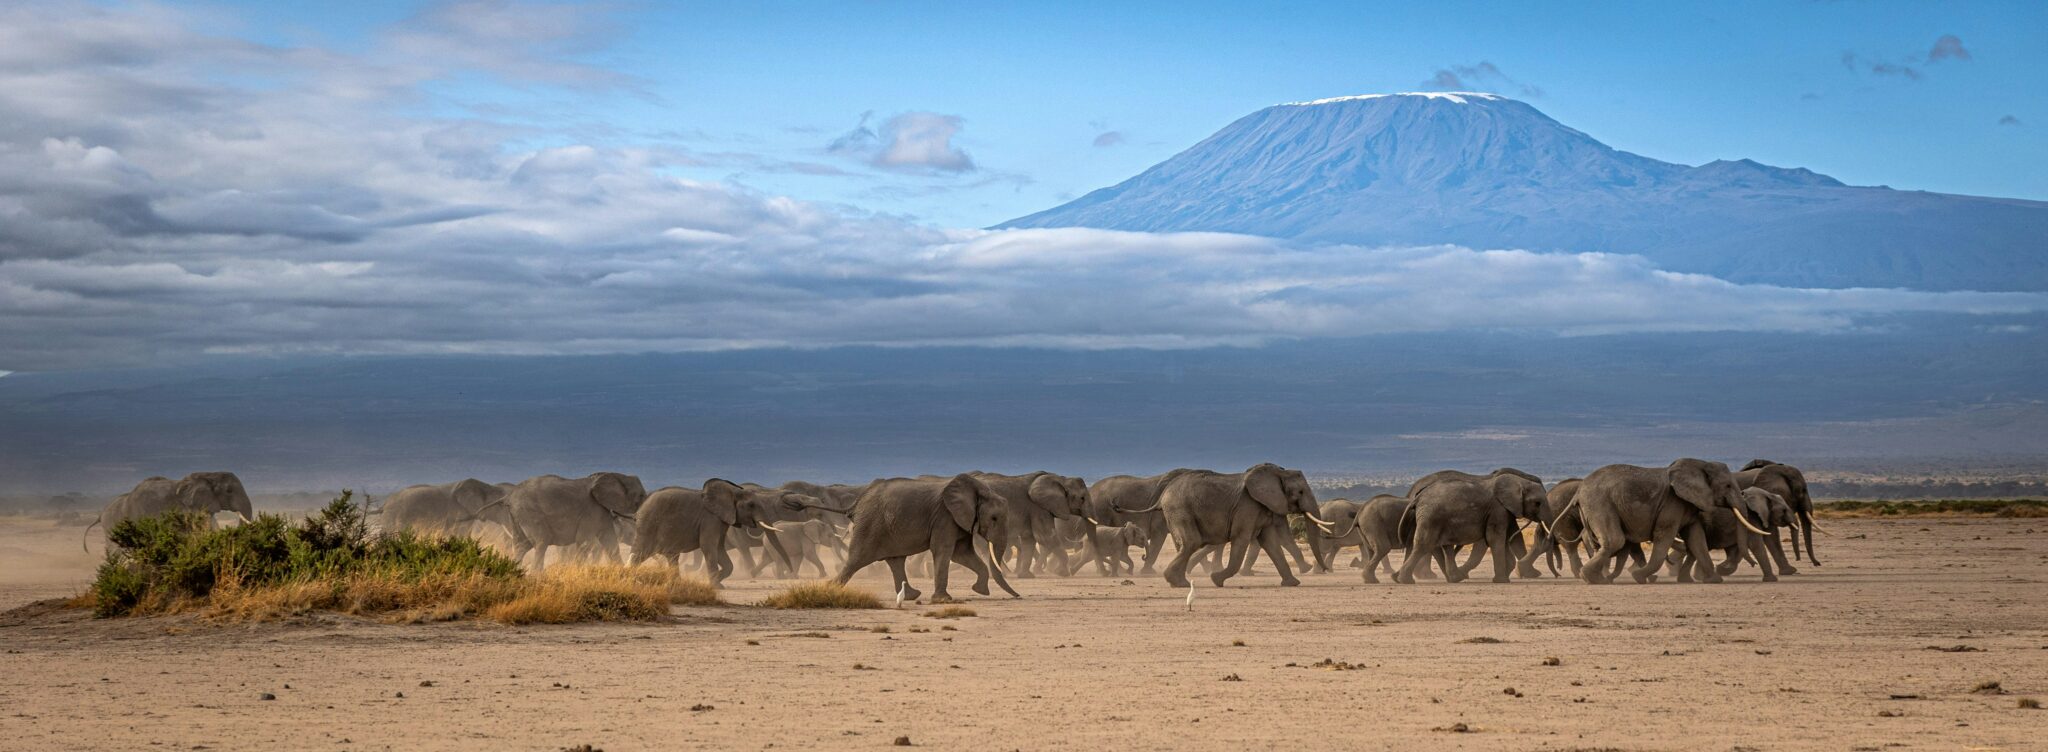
point(1724, 533)
point(1111, 546)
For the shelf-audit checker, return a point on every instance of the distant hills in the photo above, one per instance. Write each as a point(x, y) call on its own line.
point(1485, 171)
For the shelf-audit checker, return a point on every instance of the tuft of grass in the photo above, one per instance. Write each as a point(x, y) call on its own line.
point(1237, 643)
point(950, 612)
point(879, 629)
point(1482, 641)
point(601, 593)
point(2029, 703)
point(1988, 688)
point(824, 594)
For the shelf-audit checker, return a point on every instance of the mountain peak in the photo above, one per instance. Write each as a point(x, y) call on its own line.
point(1486, 171)
point(1460, 97)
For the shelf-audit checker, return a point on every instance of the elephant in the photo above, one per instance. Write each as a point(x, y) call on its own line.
point(1789, 484)
point(1725, 534)
point(1109, 497)
point(550, 510)
point(1621, 505)
point(1457, 509)
point(447, 509)
point(1036, 500)
point(1110, 547)
point(1206, 508)
point(1560, 529)
point(900, 517)
point(1345, 532)
point(1516, 545)
point(675, 521)
point(1212, 557)
point(828, 506)
point(204, 493)
point(1384, 526)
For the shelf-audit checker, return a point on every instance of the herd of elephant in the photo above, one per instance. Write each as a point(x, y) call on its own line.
point(1045, 523)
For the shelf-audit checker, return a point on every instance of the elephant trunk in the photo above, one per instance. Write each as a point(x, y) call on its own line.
point(1806, 529)
point(775, 543)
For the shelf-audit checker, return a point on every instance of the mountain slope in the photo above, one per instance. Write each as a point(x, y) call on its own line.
point(1490, 172)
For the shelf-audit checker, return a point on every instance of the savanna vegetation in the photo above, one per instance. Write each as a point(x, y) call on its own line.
point(2008, 508)
point(270, 568)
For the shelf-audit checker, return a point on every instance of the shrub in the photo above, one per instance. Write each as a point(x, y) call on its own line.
point(825, 594)
point(269, 569)
point(951, 612)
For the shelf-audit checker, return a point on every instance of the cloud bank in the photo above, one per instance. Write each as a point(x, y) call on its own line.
point(153, 209)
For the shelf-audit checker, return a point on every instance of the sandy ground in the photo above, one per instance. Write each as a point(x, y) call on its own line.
point(1837, 657)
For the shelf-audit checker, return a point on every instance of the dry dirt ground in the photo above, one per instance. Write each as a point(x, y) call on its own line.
point(1839, 657)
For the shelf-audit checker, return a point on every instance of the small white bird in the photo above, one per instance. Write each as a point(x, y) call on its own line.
point(1190, 605)
point(899, 594)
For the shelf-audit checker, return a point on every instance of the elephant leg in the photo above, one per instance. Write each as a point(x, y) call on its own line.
point(1573, 552)
point(1776, 547)
point(1660, 549)
point(1501, 542)
point(1763, 562)
point(942, 567)
point(1319, 548)
point(1680, 565)
point(1420, 549)
point(1059, 555)
point(1154, 543)
point(675, 563)
point(1518, 548)
point(1606, 548)
point(1273, 540)
point(900, 580)
point(1027, 554)
point(1696, 545)
point(1735, 554)
point(1471, 561)
point(1525, 565)
point(1251, 557)
point(1287, 542)
point(1378, 559)
point(1177, 567)
point(540, 559)
point(1240, 545)
point(963, 552)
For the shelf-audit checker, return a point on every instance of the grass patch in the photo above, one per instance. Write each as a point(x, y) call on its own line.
point(2007, 508)
point(950, 612)
point(270, 569)
point(824, 594)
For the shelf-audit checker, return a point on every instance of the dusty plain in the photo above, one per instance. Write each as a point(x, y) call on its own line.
point(1882, 648)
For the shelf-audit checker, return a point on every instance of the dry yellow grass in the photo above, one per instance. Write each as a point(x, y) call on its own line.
point(823, 594)
point(562, 595)
point(951, 612)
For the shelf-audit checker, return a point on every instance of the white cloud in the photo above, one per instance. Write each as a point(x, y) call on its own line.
point(208, 213)
point(909, 142)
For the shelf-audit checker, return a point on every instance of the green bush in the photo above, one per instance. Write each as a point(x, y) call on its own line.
point(154, 563)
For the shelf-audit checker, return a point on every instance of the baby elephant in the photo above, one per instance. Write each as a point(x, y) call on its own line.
point(1110, 545)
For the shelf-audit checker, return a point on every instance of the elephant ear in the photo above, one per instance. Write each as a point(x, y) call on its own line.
point(1262, 483)
point(1688, 479)
point(723, 496)
point(1758, 505)
point(1049, 494)
point(471, 495)
point(1754, 464)
point(187, 491)
point(959, 497)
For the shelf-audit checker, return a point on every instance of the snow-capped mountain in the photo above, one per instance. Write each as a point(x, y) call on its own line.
point(1486, 171)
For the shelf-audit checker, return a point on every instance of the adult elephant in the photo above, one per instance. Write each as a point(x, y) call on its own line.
point(1724, 533)
point(901, 517)
point(447, 509)
point(550, 510)
point(1560, 529)
point(1789, 484)
point(1459, 509)
point(205, 494)
point(1622, 505)
point(1206, 508)
point(1516, 546)
point(675, 521)
point(828, 505)
point(1036, 501)
point(1109, 498)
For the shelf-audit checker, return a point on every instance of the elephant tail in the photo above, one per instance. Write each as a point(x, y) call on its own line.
point(87, 535)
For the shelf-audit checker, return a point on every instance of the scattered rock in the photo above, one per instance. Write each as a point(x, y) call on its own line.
point(1511, 692)
point(1890, 713)
point(1237, 643)
point(1552, 661)
point(1331, 664)
point(266, 696)
point(426, 682)
point(1956, 649)
point(902, 741)
point(2029, 703)
point(1906, 697)
point(1455, 728)
point(1233, 677)
point(1988, 688)
point(701, 707)
point(1482, 641)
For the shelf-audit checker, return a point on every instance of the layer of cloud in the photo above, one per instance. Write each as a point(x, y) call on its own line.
point(1947, 48)
point(1483, 76)
point(919, 142)
point(1108, 139)
point(154, 209)
point(2009, 120)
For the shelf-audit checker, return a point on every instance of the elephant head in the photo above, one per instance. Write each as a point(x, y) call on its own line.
point(1132, 535)
point(1788, 483)
point(751, 509)
point(1521, 493)
point(484, 502)
point(1064, 497)
point(1764, 508)
point(1342, 514)
point(1707, 485)
point(213, 493)
point(1283, 492)
point(978, 510)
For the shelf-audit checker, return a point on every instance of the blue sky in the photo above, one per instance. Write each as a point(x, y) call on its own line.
point(186, 181)
point(1035, 85)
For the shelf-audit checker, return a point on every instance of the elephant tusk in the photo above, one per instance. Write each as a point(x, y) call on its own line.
point(1319, 521)
point(770, 528)
point(1814, 525)
point(1744, 519)
point(994, 560)
point(1091, 520)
